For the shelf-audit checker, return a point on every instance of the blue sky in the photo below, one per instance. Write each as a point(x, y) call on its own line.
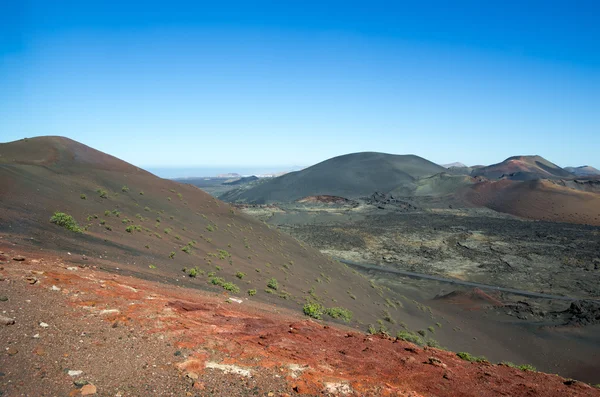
point(281, 83)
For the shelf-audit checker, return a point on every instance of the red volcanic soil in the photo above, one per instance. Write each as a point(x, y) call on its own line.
point(534, 165)
point(537, 199)
point(132, 337)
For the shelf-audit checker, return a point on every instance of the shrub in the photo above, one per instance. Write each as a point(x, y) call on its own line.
point(251, 292)
point(124, 189)
point(83, 197)
point(186, 249)
point(371, 330)
point(339, 312)
point(421, 332)
point(102, 193)
point(147, 209)
point(527, 367)
point(142, 193)
point(272, 283)
point(217, 281)
point(152, 266)
point(129, 229)
point(66, 221)
point(314, 310)
point(210, 228)
point(431, 329)
point(410, 337)
point(172, 255)
point(240, 275)
point(469, 357)
point(167, 230)
point(193, 272)
point(231, 287)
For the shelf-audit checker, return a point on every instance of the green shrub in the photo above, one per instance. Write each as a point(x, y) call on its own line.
point(167, 230)
point(410, 337)
point(186, 249)
point(371, 330)
point(217, 281)
point(421, 332)
point(142, 193)
point(469, 357)
point(124, 189)
point(313, 309)
point(66, 221)
point(251, 292)
point(210, 228)
point(152, 266)
point(240, 275)
point(147, 209)
point(527, 367)
point(339, 312)
point(231, 287)
point(129, 229)
point(172, 255)
point(83, 196)
point(272, 283)
point(193, 272)
point(431, 329)
point(102, 193)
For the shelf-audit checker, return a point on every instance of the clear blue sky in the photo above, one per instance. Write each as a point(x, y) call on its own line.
point(283, 82)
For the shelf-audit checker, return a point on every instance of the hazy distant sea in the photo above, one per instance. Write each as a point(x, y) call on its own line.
point(195, 172)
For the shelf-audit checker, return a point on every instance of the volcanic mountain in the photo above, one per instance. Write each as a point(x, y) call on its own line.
point(131, 222)
point(522, 168)
point(350, 176)
point(584, 170)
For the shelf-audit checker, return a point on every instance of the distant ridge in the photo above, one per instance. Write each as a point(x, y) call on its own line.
point(455, 164)
point(522, 168)
point(349, 176)
point(584, 170)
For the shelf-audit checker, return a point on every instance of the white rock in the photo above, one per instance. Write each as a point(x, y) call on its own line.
point(44, 325)
point(55, 288)
point(36, 336)
point(236, 300)
point(72, 268)
point(74, 373)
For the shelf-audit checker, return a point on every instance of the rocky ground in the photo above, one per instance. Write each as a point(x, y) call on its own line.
point(69, 329)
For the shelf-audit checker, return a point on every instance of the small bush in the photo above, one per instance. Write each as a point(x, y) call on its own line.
point(102, 193)
point(371, 330)
point(142, 193)
point(231, 287)
point(313, 309)
point(129, 229)
point(469, 357)
point(210, 228)
point(527, 367)
point(107, 213)
point(193, 272)
point(272, 283)
point(147, 209)
point(152, 266)
point(83, 197)
point(339, 312)
point(124, 189)
point(186, 249)
point(410, 337)
point(66, 221)
point(172, 255)
point(251, 292)
point(431, 329)
point(217, 281)
point(167, 230)
point(240, 275)
point(421, 332)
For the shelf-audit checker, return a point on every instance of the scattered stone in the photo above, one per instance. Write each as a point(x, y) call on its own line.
point(55, 288)
point(88, 390)
point(19, 258)
point(11, 351)
point(31, 280)
point(6, 320)
point(436, 362)
point(199, 386)
point(3, 298)
point(79, 383)
point(44, 325)
point(192, 375)
point(74, 372)
point(85, 258)
point(72, 268)
point(36, 336)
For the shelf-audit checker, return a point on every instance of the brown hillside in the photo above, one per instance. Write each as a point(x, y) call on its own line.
point(142, 219)
point(537, 199)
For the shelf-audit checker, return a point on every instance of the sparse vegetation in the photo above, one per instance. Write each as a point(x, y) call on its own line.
point(240, 275)
point(469, 357)
point(67, 221)
point(210, 228)
point(83, 196)
point(102, 193)
point(313, 309)
point(272, 283)
point(339, 312)
point(251, 292)
point(172, 255)
point(410, 337)
point(431, 329)
point(124, 189)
